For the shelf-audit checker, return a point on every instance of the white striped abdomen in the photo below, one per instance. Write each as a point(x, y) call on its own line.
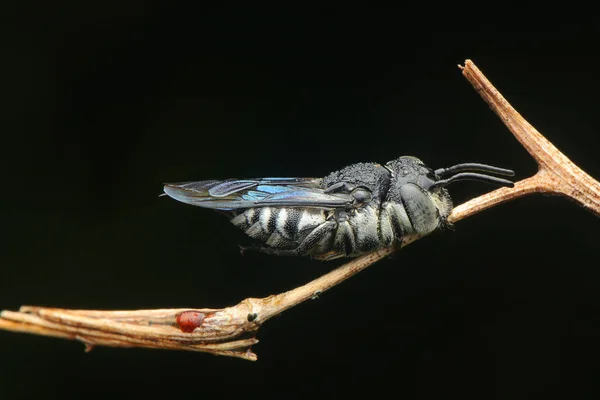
point(352, 232)
point(282, 228)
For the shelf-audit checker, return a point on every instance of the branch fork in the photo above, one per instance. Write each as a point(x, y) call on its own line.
point(232, 331)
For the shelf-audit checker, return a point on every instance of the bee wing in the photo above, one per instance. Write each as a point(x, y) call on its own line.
point(233, 194)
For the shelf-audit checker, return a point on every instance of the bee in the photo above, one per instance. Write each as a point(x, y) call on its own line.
point(355, 210)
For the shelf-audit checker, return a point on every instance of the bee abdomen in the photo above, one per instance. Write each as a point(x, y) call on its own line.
point(289, 222)
point(246, 219)
point(278, 226)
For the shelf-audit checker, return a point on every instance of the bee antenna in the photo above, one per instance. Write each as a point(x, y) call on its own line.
point(472, 167)
point(472, 176)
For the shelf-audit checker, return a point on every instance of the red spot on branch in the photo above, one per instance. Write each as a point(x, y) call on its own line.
point(190, 320)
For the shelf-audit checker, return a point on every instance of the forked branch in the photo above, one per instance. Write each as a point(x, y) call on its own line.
point(231, 331)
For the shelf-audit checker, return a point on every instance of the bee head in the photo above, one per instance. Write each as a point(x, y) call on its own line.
point(422, 190)
point(408, 169)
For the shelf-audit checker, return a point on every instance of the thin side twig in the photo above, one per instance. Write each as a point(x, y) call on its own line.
point(556, 173)
point(231, 331)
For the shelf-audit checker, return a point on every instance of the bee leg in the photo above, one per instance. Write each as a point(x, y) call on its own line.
point(277, 252)
point(268, 250)
point(313, 238)
point(244, 249)
point(340, 185)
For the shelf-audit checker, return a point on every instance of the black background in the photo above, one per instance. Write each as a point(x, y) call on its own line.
point(102, 104)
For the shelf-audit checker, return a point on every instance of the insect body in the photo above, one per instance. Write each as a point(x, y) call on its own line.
point(358, 209)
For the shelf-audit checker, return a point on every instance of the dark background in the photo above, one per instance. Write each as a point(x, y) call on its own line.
point(102, 104)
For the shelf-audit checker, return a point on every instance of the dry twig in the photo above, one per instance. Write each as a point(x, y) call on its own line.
point(231, 331)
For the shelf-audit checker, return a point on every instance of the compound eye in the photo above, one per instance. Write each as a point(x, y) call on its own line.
point(361, 195)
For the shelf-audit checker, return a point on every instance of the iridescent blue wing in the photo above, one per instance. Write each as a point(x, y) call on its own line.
point(234, 194)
